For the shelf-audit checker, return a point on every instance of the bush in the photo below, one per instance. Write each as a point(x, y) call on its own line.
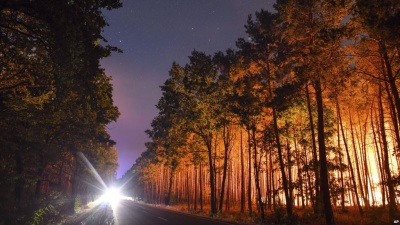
point(44, 215)
point(49, 209)
point(77, 205)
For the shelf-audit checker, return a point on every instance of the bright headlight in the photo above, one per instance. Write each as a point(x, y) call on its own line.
point(111, 195)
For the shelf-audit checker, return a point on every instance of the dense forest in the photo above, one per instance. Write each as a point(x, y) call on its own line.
point(55, 103)
point(303, 114)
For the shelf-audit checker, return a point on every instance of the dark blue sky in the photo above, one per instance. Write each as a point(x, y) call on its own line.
point(153, 34)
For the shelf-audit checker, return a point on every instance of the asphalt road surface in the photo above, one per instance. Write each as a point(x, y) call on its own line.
point(134, 213)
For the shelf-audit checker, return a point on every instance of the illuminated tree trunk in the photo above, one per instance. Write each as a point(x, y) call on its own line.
point(227, 145)
point(330, 220)
point(269, 179)
point(153, 191)
point(272, 180)
point(360, 184)
point(349, 159)
point(386, 167)
point(309, 189)
point(340, 159)
point(188, 188)
point(342, 196)
point(395, 119)
point(257, 175)
point(290, 179)
point(208, 141)
point(299, 173)
point(289, 209)
point(201, 187)
point(243, 190)
point(171, 178)
point(378, 158)
point(391, 78)
point(314, 151)
point(381, 161)
point(364, 157)
point(229, 188)
point(249, 204)
point(195, 187)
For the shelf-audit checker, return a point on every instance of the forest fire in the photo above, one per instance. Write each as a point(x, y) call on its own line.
point(300, 124)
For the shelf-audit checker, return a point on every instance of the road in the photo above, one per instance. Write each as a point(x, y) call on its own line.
point(134, 213)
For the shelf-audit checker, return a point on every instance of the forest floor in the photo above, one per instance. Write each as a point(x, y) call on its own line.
point(351, 216)
point(301, 216)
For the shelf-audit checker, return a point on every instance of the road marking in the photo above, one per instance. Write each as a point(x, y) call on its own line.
point(162, 219)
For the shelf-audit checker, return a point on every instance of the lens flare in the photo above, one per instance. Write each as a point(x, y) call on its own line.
point(111, 195)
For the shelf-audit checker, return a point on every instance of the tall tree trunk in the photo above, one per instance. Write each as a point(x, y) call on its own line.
point(195, 187)
point(316, 201)
point(299, 173)
point(269, 180)
point(342, 196)
point(201, 187)
point(171, 178)
point(377, 147)
point(289, 209)
point(227, 140)
point(340, 159)
point(309, 189)
point(389, 182)
point(360, 183)
point(187, 187)
point(257, 175)
point(250, 175)
point(395, 120)
point(290, 179)
point(353, 179)
point(364, 158)
point(271, 165)
point(243, 190)
point(391, 78)
point(208, 141)
point(229, 188)
point(153, 192)
point(330, 220)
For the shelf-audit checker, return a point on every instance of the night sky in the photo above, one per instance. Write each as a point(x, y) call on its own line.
point(153, 34)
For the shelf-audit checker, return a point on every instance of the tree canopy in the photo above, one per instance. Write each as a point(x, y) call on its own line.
point(303, 114)
point(55, 100)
